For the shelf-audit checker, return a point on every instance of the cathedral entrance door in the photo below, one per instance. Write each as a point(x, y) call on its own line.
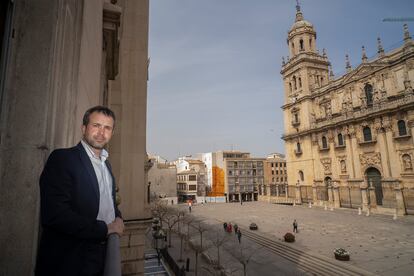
point(374, 181)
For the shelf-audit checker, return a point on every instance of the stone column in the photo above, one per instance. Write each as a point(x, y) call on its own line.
point(364, 199)
point(314, 194)
point(337, 202)
point(330, 195)
point(277, 189)
point(400, 204)
point(298, 194)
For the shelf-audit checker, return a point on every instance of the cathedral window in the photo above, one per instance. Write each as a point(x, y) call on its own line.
point(300, 82)
point(301, 176)
point(301, 44)
point(402, 129)
point(296, 117)
point(367, 134)
point(298, 148)
point(310, 43)
point(293, 48)
point(294, 83)
point(340, 139)
point(290, 86)
point(324, 142)
point(368, 94)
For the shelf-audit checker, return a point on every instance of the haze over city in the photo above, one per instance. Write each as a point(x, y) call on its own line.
point(214, 73)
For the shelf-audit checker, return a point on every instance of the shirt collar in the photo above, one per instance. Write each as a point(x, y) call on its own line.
point(91, 153)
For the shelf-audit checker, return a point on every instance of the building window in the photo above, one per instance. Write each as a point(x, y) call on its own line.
point(192, 177)
point(290, 86)
point(340, 139)
point(273, 172)
point(367, 134)
point(324, 142)
point(300, 82)
point(296, 117)
point(293, 48)
point(368, 94)
point(230, 172)
point(310, 43)
point(294, 83)
point(301, 176)
point(192, 187)
point(402, 129)
point(301, 44)
point(298, 149)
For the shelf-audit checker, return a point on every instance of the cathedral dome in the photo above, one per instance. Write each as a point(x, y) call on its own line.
point(301, 23)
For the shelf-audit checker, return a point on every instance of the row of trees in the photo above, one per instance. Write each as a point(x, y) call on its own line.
point(200, 236)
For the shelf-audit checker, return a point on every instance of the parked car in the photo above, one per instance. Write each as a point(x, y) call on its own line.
point(253, 226)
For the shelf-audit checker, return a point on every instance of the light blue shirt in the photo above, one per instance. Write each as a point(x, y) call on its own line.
point(106, 203)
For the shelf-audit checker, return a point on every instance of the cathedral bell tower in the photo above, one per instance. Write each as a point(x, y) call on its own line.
point(304, 70)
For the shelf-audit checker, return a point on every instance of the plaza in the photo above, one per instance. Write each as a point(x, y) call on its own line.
point(378, 244)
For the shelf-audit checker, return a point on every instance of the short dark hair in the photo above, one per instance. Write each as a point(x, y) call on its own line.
point(100, 109)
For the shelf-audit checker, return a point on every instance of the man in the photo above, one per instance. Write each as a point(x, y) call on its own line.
point(295, 226)
point(77, 198)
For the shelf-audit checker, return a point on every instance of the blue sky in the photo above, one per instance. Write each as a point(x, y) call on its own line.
point(214, 76)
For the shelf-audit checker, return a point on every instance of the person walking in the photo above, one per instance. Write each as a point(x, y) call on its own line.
point(236, 227)
point(295, 226)
point(225, 226)
point(77, 202)
point(239, 234)
point(189, 206)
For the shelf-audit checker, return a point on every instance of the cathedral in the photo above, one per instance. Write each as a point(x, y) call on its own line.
point(349, 139)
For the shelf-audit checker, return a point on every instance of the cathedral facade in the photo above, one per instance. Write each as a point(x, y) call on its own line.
point(349, 140)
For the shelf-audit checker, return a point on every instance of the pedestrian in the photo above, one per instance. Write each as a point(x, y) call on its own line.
point(295, 226)
point(189, 206)
point(77, 202)
point(225, 226)
point(239, 234)
point(236, 227)
point(230, 228)
point(241, 201)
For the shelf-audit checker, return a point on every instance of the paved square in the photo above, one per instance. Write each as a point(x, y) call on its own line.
point(376, 243)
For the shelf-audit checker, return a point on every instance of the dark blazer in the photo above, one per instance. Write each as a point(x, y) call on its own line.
point(69, 201)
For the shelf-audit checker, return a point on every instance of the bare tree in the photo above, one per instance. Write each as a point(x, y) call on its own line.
point(170, 219)
point(218, 240)
point(201, 228)
point(198, 249)
point(159, 209)
point(243, 256)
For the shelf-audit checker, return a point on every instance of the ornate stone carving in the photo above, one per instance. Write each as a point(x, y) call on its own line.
point(326, 162)
point(342, 163)
point(406, 159)
point(370, 159)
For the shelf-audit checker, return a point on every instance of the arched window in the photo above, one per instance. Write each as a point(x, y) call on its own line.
point(296, 117)
point(402, 129)
point(368, 94)
point(367, 134)
point(290, 86)
point(340, 139)
point(310, 43)
point(301, 44)
point(293, 48)
point(298, 149)
point(324, 142)
point(300, 82)
point(301, 176)
point(294, 83)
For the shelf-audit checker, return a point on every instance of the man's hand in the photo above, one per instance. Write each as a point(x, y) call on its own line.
point(117, 226)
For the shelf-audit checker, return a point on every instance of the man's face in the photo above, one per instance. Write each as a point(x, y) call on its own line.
point(99, 130)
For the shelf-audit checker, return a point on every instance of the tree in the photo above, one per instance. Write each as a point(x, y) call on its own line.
point(243, 256)
point(171, 219)
point(159, 209)
point(201, 228)
point(198, 249)
point(218, 240)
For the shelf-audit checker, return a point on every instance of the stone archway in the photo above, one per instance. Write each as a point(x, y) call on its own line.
point(373, 177)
